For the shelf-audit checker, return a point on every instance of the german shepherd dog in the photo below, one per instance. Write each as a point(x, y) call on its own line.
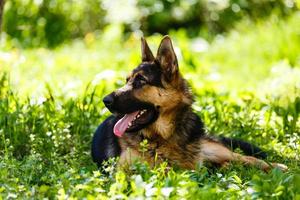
point(155, 104)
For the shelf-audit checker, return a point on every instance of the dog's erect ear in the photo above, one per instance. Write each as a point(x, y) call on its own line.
point(167, 58)
point(147, 55)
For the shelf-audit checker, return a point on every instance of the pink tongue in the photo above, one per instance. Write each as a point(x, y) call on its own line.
point(121, 125)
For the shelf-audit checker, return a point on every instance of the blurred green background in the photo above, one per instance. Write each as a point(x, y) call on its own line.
point(34, 23)
point(43, 40)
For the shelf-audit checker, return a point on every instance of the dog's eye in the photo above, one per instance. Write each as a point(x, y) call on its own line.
point(139, 81)
point(141, 78)
point(127, 79)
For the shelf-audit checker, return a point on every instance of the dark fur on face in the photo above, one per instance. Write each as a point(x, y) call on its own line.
point(161, 97)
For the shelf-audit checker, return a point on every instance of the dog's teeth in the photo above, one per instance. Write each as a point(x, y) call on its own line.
point(129, 124)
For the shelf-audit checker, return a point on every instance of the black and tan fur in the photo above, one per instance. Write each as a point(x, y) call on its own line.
point(176, 134)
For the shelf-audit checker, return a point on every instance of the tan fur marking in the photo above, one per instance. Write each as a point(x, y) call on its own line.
point(169, 100)
point(217, 153)
point(214, 152)
point(128, 156)
point(165, 98)
point(163, 126)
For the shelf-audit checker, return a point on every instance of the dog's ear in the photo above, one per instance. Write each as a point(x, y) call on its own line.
point(167, 58)
point(147, 55)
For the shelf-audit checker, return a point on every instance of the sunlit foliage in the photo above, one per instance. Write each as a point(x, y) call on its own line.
point(246, 85)
point(33, 23)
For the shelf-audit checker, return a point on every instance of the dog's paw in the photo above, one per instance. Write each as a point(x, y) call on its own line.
point(280, 166)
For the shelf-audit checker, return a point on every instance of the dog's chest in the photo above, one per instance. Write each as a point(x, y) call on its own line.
point(157, 150)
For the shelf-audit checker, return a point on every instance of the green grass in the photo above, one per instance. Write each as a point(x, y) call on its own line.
point(246, 85)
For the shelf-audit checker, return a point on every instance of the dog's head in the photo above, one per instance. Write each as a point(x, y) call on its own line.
point(154, 89)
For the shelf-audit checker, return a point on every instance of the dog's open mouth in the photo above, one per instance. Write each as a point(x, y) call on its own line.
point(134, 121)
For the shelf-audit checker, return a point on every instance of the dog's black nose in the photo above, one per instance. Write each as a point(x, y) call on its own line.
point(108, 100)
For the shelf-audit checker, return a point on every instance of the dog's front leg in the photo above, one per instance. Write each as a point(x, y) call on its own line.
point(128, 156)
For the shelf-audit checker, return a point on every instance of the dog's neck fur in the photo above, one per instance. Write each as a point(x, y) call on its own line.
point(177, 125)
